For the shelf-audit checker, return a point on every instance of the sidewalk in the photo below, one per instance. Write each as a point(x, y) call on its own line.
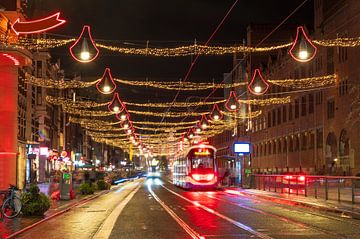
point(10, 226)
point(343, 208)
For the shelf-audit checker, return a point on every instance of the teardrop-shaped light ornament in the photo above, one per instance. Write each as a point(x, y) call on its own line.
point(203, 123)
point(106, 84)
point(216, 113)
point(84, 48)
point(197, 129)
point(232, 103)
point(258, 85)
point(116, 105)
point(302, 50)
point(185, 137)
point(191, 133)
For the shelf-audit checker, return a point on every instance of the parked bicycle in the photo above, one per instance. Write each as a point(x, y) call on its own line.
point(12, 205)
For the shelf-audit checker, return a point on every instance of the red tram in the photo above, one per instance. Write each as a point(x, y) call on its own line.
point(195, 168)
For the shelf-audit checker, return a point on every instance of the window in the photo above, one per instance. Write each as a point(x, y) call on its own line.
point(330, 108)
point(285, 145)
point(312, 140)
point(296, 143)
point(279, 146)
point(311, 103)
point(284, 114)
point(274, 147)
point(291, 143)
point(273, 117)
point(303, 106)
point(304, 141)
point(318, 98)
point(343, 87)
point(290, 111)
point(39, 68)
point(269, 119)
point(297, 108)
point(319, 138)
point(279, 116)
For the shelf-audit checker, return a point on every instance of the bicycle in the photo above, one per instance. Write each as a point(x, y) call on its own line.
point(12, 205)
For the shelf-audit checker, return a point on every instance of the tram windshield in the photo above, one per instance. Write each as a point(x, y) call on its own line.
point(201, 159)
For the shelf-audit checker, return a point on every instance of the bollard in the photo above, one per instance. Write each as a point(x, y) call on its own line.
point(352, 191)
point(339, 189)
point(326, 189)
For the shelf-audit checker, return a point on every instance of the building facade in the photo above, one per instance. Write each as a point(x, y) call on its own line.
point(317, 132)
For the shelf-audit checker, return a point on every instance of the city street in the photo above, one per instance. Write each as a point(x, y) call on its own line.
point(160, 210)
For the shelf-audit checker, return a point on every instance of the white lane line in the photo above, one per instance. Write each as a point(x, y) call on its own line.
point(107, 227)
point(236, 223)
point(183, 224)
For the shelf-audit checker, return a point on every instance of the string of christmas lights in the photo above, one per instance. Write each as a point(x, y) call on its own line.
point(253, 114)
point(310, 82)
point(70, 103)
point(269, 101)
point(179, 86)
point(194, 49)
point(168, 114)
point(60, 84)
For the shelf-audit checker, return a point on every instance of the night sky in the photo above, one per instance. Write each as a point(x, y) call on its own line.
point(164, 23)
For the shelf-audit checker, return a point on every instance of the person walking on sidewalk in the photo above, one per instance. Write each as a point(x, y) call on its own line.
point(232, 176)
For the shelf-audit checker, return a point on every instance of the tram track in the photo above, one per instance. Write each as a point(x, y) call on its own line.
point(298, 209)
point(220, 215)
point(282, 218)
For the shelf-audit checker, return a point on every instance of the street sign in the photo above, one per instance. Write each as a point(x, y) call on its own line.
point(242, 147)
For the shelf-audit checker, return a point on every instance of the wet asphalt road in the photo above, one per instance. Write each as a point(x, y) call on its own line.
point(160, 210)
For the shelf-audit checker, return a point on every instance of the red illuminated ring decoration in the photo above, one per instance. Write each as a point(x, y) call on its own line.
point(107, 70)
point(257, 71)
point(76, 42)
point(37, 26)
point(126, 112)
point(294, 44)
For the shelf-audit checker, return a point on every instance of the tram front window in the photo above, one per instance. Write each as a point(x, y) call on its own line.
point(199, 163)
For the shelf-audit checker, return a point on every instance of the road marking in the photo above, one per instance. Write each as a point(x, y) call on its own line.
point(236, 223)
point(107, 227)
point(183, 224)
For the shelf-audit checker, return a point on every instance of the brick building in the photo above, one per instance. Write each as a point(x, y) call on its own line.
point(317, 132)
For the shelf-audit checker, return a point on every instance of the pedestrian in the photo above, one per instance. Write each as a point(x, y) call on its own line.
point(232, 176)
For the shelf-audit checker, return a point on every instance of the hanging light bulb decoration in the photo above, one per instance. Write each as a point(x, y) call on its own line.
point(190, 133)
point(258, 85)
point(130, 130)
point(185, 137)
point(232, 103)
point(197, 129)
point(203, 123)
point(84, 48)
point(116, 105)
point(106, 84)
point(126, 123)
point(123, 114)
point(216, 114)
point(302, 50)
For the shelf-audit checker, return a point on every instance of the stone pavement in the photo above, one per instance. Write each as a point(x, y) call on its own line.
point(9, 226)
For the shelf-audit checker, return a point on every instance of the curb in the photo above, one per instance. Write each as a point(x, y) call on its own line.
point(343, 212)
point(83, 201)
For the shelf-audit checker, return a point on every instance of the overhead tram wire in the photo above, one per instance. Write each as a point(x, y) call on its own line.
point(199, 53)
point(245, 55)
